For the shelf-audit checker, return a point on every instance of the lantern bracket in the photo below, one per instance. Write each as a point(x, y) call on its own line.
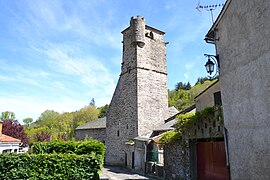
point(212, 65)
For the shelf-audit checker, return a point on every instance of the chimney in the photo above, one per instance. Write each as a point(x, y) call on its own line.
point(1, 128)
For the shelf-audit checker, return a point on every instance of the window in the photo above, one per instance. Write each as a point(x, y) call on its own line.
point(150, 35)
point(217, 98)
point(118, 133)
point(129, 69)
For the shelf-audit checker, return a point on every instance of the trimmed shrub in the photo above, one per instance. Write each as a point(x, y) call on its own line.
point(77, 147)
point(50, 166)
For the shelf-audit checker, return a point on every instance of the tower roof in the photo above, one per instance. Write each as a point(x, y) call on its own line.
point(139, 18)
point(149, 28)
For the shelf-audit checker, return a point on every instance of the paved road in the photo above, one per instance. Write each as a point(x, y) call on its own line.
point(119, 173)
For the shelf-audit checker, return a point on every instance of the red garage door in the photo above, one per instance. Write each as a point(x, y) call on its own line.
point(211, 161)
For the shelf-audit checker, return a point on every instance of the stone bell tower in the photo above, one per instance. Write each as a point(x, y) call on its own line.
point(140, 100)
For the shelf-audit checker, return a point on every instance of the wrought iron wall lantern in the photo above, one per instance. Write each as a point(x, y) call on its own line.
point(212, 64)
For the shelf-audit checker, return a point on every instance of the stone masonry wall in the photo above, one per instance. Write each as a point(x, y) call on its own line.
point(244, 49)
point(176, 161)
point(140, 98)
point(121, 119)
point(152, 82)
point(99, 134)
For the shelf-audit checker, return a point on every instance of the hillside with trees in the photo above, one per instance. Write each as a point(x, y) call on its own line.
point(183, 95)
point(52, 125)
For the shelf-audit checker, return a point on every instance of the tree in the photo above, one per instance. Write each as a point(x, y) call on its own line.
point(83, 116)
point(92, 102)
point(54, 126)
point(63, 126)
point(14, 129)
point(8, 115)
point(201, 80)
point(184, 97)
point(103, 111)
point(182, 86)
point(187, 86)
point(42, 136)
point(28, 121)
point(37, 133)
point(179, 85)
point(180, 99)
point(48, 118)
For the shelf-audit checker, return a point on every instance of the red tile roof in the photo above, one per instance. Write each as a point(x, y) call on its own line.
point(5, 138)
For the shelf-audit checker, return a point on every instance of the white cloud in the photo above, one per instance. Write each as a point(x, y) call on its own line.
point(26, 106)
point(186, 75)
point(45, 19)
point(190, 65)
point(13, 72)
point(91, 71)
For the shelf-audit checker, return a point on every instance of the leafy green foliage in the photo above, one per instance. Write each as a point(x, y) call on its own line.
point(103, 111)
point(47, 118)
point(50, 166)
point(55, 160)
point(183, 86)
point(180, 99)
point(85, 115)
point(14, 129)
point(170, 136)
point(35, 133)
point(27, 121)
point(42, 136)
point(185, 121)
point(8, 115)
point(60, 126)
point(184, 98)
point(78, 147)
point(201, 80)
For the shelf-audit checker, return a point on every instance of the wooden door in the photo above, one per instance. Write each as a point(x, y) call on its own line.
point(211, 161)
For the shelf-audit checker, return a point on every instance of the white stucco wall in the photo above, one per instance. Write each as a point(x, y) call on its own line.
point(9, 146)
point(244, 49)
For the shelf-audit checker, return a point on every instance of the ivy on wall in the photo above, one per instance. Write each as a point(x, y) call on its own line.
point(170, 136)
point(185, 121)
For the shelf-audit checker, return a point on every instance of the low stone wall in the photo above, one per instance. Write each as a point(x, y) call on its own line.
point(177, 161)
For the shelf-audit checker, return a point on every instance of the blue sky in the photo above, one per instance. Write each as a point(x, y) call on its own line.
point(59, 54)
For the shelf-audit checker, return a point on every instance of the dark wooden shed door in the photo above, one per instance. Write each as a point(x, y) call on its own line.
point(211, 161)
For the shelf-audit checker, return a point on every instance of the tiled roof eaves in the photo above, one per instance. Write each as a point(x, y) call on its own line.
point(95, 124)
point(90, 128)
point(5, 138)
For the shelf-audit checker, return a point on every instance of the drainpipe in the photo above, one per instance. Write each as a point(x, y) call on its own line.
point(145, 151)
point(226, 146)
point(225, 132)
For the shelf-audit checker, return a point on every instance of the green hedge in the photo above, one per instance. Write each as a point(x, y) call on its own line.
point(77, 147)
point(50, 166)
